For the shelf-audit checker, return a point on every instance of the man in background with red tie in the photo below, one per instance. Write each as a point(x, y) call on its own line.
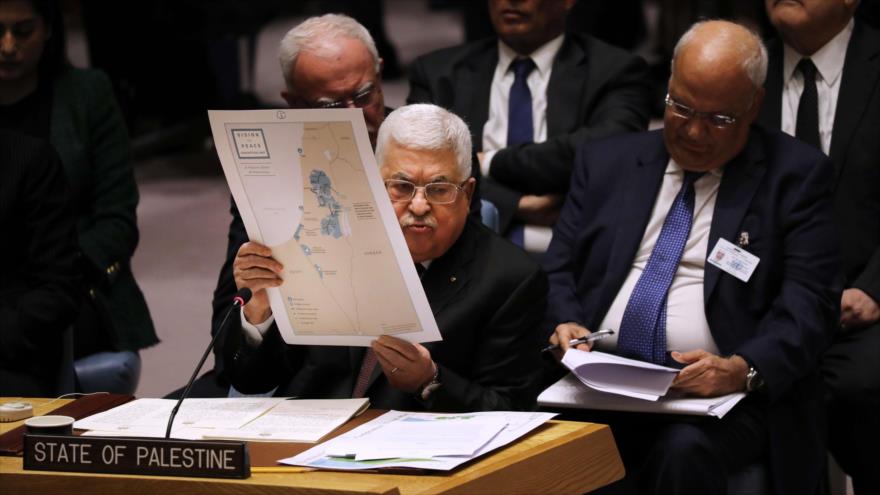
point(823, 86)
point(487, 296)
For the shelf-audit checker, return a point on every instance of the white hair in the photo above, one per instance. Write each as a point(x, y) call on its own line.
point(315, 33)
point(423, 126)
point(754, 54)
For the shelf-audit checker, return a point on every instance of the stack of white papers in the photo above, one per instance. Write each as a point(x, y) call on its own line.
point(619, 375)
point(420, 440)
point(267, 419)
point(569, 392)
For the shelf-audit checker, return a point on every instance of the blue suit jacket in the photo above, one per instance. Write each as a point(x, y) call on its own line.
point(777, 190)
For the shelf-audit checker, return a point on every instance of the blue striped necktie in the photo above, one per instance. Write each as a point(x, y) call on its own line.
point(643, 327)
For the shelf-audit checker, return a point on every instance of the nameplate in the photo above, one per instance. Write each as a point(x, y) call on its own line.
point(143, 456)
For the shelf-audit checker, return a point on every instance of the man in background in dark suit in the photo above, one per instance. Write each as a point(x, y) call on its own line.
point(39, 299)
point(630, 253)
point(530, 97)
point(823, 86)
point(486, 295)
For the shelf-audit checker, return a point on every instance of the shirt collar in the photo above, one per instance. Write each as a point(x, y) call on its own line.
point(828, 59)
point(674, 168)
point(543, 56)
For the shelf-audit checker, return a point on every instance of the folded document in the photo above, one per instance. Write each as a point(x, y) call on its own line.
point(619, 375)
point(569, 392)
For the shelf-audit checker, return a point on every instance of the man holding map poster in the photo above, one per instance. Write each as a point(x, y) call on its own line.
point(487, 296)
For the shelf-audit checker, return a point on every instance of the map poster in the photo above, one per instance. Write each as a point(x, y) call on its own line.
point(307, 185)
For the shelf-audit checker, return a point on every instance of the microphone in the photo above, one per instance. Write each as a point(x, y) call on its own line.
point(239, 299)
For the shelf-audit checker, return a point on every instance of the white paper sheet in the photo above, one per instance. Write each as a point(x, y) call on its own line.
point(261, 419)
point(619, 375)
point(195, 413)
point(295, 421)
point(518, 424)
point(307, 185)
point(569, 392)
point(413, 436)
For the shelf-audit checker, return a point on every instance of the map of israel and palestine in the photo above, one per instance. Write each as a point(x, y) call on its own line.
point(307, 185)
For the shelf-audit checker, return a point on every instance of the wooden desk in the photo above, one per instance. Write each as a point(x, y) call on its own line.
point(560, 457)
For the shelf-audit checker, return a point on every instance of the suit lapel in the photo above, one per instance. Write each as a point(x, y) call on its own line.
point(474, 86)
point(771, 111)
point(643, 181)
point(742, 177)
point(449, 274)
point(566, 81)
point(446, 276)
point(861, 71)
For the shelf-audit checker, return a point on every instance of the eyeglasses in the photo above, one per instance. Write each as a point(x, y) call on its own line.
point(719, 120)
point(360, 99)
point(438, 193)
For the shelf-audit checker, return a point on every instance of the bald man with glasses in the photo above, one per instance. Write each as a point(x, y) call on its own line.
point(487, 296)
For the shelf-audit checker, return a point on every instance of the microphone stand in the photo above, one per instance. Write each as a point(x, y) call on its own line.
point(241, 298)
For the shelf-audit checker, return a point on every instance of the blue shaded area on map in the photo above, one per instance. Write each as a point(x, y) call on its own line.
point(307, 250)
point(298, 230)
point(320, 271)
point(321, 186)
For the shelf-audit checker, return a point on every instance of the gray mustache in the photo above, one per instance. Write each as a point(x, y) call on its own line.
point(409, 220)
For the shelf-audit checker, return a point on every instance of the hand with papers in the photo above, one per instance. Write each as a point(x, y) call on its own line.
point(621, 384)
point(407, 365)
point(710, 375)
point(616, 383)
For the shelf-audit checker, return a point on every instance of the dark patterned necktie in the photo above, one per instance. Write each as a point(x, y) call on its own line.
point(643, 327)
point(807, 126)
point(519, 106)
point(363, 379)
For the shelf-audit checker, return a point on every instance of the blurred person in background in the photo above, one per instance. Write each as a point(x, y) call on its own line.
point(42, 95)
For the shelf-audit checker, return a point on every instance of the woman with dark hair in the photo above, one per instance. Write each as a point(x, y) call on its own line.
point(75, 110)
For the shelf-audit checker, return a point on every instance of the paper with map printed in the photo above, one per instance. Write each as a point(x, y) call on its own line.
point(307, 185)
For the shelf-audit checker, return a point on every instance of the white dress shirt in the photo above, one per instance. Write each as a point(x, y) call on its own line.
point(829, 66)
point(495, 129)
point(536, 238)
point(686, 325)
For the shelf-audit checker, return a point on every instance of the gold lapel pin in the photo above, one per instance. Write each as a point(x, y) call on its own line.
point(743, 239)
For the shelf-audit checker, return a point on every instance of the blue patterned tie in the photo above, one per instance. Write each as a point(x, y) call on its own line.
point(643, 327)
point(519, 106)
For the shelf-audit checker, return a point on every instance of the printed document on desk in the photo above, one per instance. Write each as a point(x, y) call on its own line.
point(516, 424)
point(307, 186)
point(260, 419)
point(569, 392)
point(619, 375)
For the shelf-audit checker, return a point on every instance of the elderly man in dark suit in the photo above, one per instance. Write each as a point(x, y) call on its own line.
point(823, 86)
point(630, 253)
point(329, 61)
point(530, 97)
point(38, 280)
point(486, 295)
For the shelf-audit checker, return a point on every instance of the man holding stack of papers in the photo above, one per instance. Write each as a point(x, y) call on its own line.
point(708, 246)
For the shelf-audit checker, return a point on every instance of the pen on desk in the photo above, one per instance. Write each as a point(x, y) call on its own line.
point(601, 334)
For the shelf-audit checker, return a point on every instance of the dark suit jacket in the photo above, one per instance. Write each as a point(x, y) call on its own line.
point(38, 284)
point(595, 90)
point(855, 151)
point(488, 298)
point(778, 190)
point(89, 134)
